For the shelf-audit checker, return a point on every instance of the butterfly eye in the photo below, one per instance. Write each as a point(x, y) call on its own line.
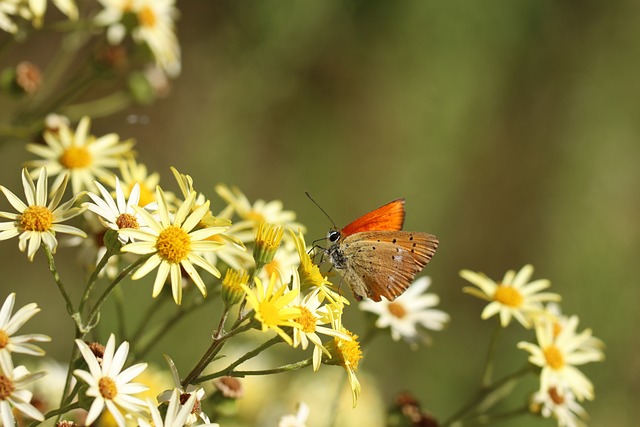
point(333, 236)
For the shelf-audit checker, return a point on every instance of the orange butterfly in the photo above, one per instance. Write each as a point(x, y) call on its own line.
point(376, 258)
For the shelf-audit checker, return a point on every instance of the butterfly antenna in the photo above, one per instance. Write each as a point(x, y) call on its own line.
point(320, 207)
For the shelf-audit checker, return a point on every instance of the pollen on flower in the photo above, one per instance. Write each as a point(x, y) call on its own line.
point(6, 387)
point(268, 240)
point(307, 320)
point(508, 296)
point(555, 396)
point(554, 357)
point(126, 220)
point(4, 339)
point(75, 158)
point(196, 406)
point(173, 244)
point(269, 313)
point(147, 17)
point(107, 388)
point(350, 350)
point(36, 218)
point(397, 310)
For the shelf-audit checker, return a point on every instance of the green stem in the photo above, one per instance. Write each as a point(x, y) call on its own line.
point(146, 318)
point(94, 277)
point(168, 325)
point(484, 393)
point(250, 355)
point(67, 383)
point(490, 419)
point(101, 107)
point(56, 278)
point(59, 411)
point(96, 309)
point(489, 365)
point(118, 297)
point(211, 352)
point(284, 368)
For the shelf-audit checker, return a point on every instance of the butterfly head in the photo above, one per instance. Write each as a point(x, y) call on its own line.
point(333, 236)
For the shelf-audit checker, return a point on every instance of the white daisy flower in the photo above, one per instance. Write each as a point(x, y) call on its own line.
point(403, 315)
point(177, 414)
point(116, 214)
point(191, 392)
point(558, 355)
point(9, 325)
point(110, 387)
point(560, 403)
point(513, 297)
point(173, 243)
point(80, 155)
point(13, 393)
point(38, 222)
point(299, 419)
point(155, 27)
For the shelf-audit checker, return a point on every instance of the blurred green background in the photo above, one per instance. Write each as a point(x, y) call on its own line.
point(512, 128)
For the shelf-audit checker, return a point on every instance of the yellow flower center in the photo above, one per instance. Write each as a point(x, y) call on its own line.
point(4, 339)
point(107, 388)
point(126, 220)
point(269, 236)
point(307, 320)
point(255, 216)
point(75, 158)
point(36, 218)
point(508, 296)
point(397, 310)
point(554, 357)
point(6, 387)
point(555, 396)
point(173, 244)
point(147, 17)
point(310, 275)
point(350, 350)
point(269, 313)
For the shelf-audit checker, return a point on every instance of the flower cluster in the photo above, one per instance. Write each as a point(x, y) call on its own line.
point(246, 261)
point(559, 347)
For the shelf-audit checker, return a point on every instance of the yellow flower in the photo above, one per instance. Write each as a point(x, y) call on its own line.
point(272, 307)
point(38, 222)
point(346, 353)
point(173, 244)
point(232, 291)
point(80, 155)
point(310, 276)
point(313, 315)
point(268, 241)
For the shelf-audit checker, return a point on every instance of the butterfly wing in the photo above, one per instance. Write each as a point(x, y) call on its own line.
point(384, 263)
point(387, 217)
